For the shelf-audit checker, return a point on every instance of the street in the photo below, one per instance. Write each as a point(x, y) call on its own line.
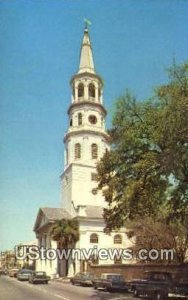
point(12, 289)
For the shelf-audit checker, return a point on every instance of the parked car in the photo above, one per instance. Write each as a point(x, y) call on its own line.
point(84, 279)
point(4, 272)
point(158, 286)
point(38, 277)
point(24, 274)
point(180, 288)
point(110, 282)
point(13, 272)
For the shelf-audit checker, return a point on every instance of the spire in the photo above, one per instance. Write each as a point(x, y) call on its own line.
point(86, 56)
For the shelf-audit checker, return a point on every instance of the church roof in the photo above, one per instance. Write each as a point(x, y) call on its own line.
point(48, 215)
point(92, 212)
point(55, 213)
point(86, 55)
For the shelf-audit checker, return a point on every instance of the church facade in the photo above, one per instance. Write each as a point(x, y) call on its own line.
point(85, 142)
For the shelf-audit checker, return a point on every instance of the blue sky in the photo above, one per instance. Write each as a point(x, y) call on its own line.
point(134, 42)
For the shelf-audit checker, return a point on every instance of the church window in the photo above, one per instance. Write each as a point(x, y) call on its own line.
point(77, 151)
point(93, 176)
point(99, 93)
point(71, 122)
point(94, 191)
point(94, 238)
point(79, 119)
point(91, 90)
point(92, 119)
point(73, 91)
point(94, 151)
point(67, 155)
point(117, 239)
point(80, 90)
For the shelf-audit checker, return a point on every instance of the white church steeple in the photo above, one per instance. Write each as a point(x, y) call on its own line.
point(86, 139)
point(86, 55)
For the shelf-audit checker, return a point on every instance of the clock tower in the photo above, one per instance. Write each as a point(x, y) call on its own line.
point(86, 139)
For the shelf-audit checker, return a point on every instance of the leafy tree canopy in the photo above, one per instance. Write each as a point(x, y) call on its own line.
point(145, 174)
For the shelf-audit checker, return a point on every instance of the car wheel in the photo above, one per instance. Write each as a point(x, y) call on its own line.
point(159, 296)
point(135, 293)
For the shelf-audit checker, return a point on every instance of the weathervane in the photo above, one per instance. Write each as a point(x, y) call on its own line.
point(87, 23)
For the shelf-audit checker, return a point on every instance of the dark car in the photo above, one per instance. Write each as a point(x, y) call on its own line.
point(4, 272)
point(24, 274)
point(84, 279)
point(110, 282)
point(38, 277)
point(159, 285)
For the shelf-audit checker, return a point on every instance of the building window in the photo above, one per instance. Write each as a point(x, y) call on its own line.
point(67, 155)
point(80, 90)
point(94, 191)
point(77, 151)
point(94, 238)
point(94, 151)
point(94, 176)
point(117, 260)
point(94, 260)
point(99, 93)
point(91, 90)
point(71, 122)
point(92, 119)
point(79, 119)
point(117, 239)
point(73, 91)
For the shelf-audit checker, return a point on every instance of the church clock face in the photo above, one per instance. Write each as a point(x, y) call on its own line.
point(92, 119)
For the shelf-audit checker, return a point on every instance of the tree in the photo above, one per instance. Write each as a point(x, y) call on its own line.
point(65, 232)
point(146, 171)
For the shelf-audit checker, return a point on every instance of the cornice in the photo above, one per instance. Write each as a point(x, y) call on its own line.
point(86, 74)
point(86, 131)
point(83, 103)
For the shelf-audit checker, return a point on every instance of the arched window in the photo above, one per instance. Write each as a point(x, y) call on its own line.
point(73, 91)
point(91, 90)
point(67, 156)
point(77, 151)
point(94, 151)
point(117, 239)
point(79, 119)
point(99, 94)
point(80, 90)
point(94, 238)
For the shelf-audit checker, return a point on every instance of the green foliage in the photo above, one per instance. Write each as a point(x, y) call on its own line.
point(146, 170)
point(65, 231)
point(149, 234)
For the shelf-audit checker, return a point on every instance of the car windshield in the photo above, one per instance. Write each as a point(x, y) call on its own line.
point(115, 277)
point(40, 273)
point(88, 276)
point(25, 271)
